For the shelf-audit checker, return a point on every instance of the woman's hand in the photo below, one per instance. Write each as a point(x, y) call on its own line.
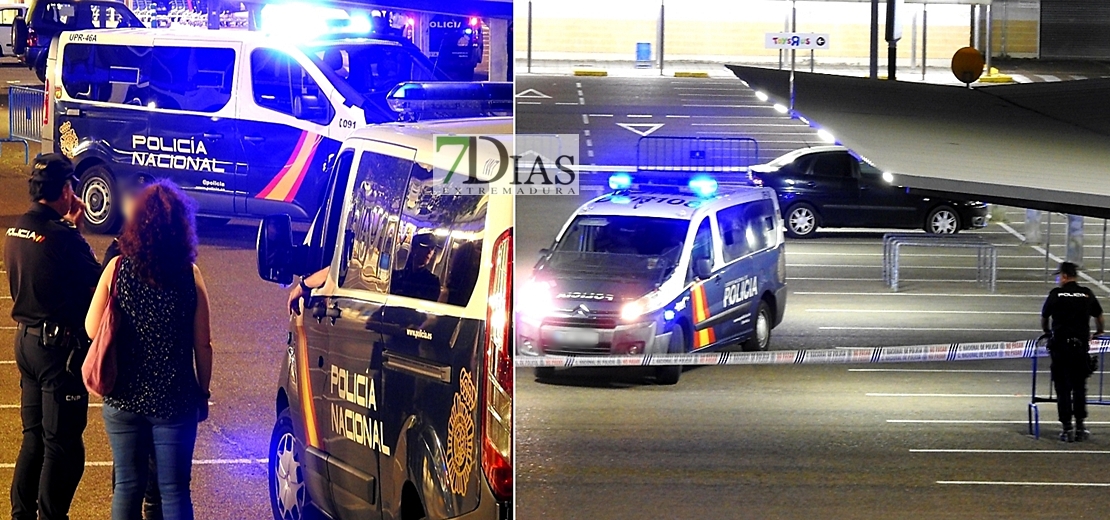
point(295, 295)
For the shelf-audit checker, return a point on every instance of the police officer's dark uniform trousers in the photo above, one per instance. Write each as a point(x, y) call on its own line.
point(53, 273)
point(1071, 308)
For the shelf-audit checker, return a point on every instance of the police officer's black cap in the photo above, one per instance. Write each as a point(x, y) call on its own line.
point(1068, 269)
point(52, 168)
point(427, 240)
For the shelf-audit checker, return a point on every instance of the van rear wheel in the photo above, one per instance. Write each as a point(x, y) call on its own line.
point(760, 339)
point(289, 498)
point(98, 191)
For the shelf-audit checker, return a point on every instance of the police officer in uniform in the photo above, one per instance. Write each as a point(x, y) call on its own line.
point(1066, 315)
point(52, 272)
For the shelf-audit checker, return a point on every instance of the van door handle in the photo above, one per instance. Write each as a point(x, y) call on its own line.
point(213, 136)
point(73, 112)
point(253, 138)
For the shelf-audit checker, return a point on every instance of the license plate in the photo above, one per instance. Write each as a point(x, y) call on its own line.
point(575, 338)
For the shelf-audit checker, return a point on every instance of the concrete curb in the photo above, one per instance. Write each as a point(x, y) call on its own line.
point(590, 72)
point(687, 74)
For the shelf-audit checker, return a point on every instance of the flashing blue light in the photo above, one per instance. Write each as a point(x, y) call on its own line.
point(620, 181)
point(620, 199)
point(668, 315)
point(703, 186)
point(469, 31)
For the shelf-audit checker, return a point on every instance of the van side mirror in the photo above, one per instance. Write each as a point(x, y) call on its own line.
point(703, 268)
point(278, 258)
point(309, 108)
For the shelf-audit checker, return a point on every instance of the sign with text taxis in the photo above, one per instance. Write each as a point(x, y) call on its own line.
point(524, 164)
point(789, 40)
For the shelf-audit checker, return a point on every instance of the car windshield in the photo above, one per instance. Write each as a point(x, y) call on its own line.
point(621, 246)
point(364, 71)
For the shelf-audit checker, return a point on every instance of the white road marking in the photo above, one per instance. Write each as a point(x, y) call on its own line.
point(564, 103)
point(198, 462)
point(586, 133)
point(1049, 77)
point(640, 115)
point(532, 93)
point(910, 255)
point(590, 153)
point(937, 371)
point(989, 396)
point(1039, 452)
point(600, 115)
point(969, 421)
point(783, 125)
point(528, 103)
point(1054, 258)
point(1007, 483)
point(8, 328)
point(925, 329)
point(589, 142)
point(641, 129)
point(677, 116)
point(581, 100)
point(578, 85)
point(911, 311)
point(585, 120)
point(938, 295)
point(580, 93)
point(730, 94)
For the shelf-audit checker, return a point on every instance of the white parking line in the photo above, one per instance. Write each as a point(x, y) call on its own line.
point(937, 371)
point(677, 116)
point(925, 329)
point(916, 267)
point(600, 115)
point(1006, 483)
point(989, 396)
point(917, 295)
point(564, 103)
point(698, 105)
point(903, 255)
point(1054, 258)
point(1039, 452)
point(640, 115)
point(198, 462)
point(911, 311)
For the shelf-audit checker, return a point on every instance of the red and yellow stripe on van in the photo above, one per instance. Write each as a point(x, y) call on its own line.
point(702, 337)
point(285, 184)
point(304, 383)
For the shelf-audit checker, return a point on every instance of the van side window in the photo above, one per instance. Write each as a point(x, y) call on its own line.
point(196, 79)
point(703, 246)
point(375, 205)
point(747, 228)
point(439, 251)
point(323, 234)
point(109, 73)
point(7, 16)
point(277, 80)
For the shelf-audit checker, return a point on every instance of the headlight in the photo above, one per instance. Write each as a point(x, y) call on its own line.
point(636, 309)
point(535, 300)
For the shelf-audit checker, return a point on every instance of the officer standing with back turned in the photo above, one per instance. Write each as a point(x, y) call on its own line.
point(1070, 308)
point(52, 272)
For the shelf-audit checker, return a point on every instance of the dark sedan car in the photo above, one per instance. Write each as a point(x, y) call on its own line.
point(827, 186)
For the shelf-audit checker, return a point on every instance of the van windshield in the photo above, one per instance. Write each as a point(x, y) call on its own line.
point(364, 71)
point(87, 15)
point(621, 246)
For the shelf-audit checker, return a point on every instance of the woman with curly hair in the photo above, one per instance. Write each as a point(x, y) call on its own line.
point(164, 352)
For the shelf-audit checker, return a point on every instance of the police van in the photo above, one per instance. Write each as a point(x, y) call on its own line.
point(395, 398)
point(242, 121)
point(658, 270)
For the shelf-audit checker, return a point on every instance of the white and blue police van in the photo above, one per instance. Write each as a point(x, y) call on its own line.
point(659, 270)
point(244, 122)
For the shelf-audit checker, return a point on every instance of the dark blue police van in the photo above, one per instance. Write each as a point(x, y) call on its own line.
point(244, 122)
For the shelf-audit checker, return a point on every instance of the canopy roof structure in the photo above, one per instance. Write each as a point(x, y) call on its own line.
point(482, 8)
point(1036, 145)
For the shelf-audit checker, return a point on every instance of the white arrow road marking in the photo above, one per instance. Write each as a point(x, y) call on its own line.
point(641, 129)
point(532, 93)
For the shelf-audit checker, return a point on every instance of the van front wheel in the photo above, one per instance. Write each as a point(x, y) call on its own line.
point(98, 191)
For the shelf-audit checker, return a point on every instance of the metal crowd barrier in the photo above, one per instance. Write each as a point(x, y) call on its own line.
point(1098, 347)
point(25, 117)
point(986, 270)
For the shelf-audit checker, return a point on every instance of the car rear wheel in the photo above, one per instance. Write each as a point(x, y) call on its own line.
point(761, 337)
point(801, 221)
point(943, 220)
point(19, 36)
point(98, 191)
point(669, 375)
point(289, 498)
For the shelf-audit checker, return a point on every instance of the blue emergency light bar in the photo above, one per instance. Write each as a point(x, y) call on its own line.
point(702, 185)
point(449, 99)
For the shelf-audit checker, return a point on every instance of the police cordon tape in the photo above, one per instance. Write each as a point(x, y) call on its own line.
point(925, 353)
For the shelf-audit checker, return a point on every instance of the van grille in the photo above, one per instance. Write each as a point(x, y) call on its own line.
point(600, 349)
point(593, 322)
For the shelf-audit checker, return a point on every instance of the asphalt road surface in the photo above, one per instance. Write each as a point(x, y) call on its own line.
point(229, 478)
point(939, 440)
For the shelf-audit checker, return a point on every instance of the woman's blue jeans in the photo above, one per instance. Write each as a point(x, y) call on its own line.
point(131, 436)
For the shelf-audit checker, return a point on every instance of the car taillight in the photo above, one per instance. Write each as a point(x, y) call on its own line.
point(756, 181)
point(32, 38)
point(497, 387)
